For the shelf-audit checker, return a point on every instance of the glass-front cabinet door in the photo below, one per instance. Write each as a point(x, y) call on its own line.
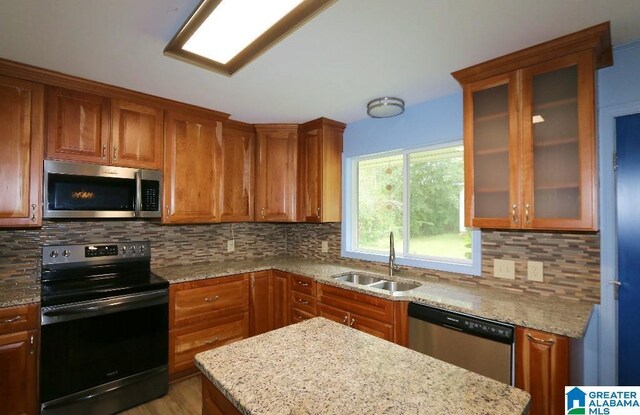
point(558, 155)
point(492, 148)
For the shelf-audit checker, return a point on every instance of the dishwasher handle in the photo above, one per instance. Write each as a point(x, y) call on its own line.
point(488, 329)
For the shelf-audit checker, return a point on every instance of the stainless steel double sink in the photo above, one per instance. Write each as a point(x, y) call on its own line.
point(376, 282)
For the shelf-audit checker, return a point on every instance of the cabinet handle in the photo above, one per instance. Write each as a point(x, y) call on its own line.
point(318, 213)
point(115, 153)
point(32, 345)
point(211, 299)
point(346, 318)
point(353, 321)
point(262, 212)
point(167, 209)
point(33, 212)
point(11, 320)
point(304, 284)
point(299, 317)
point(545, 341)
point(526, 213)
point(302, 301)
point(211, 341)
point(513, 213)
point(104, 151)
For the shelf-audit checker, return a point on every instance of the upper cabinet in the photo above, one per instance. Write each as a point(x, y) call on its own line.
point(320, 171)
point(21, 129)
point(192, 160)
point(91, 128)
point(238, 154)
point(529, 135)
point(276, 168)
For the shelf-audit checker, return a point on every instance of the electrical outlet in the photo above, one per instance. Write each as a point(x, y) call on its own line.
point(503, 268)
point(535, 271)
point(325, 246)
point(231, 245)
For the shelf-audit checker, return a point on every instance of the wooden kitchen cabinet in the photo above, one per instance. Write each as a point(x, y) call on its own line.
point(19, 346)
point(237, 187)
point(529, 135)
point(205, 314)
point(302, 298)
point(276, 172)
point(192, 160)
point(21, 129)
point(85, 127)
point(261, 314)
point(320, 171)
point(542, 369)
point(136, 135)
point(372, 315)
point(214, 402)
point(280, 295)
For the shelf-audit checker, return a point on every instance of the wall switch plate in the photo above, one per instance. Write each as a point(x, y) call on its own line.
point(503, 268)
point(231, 245)
point(325, 246)
point(535, 271)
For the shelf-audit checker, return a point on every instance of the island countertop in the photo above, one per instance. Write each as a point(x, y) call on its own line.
point(322, 367)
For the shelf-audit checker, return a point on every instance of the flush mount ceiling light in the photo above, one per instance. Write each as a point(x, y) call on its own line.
point(385, 107)
point(225, 35)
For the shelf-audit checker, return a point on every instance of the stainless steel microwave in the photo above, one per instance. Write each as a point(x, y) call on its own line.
point(80, 190)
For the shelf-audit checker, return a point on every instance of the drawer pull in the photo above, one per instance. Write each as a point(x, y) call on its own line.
point(545, 341)
point(299, 317)
point(302, 301)
point(32, 345)
point(304, 284)
point(353, 321)
point(211, 299)
point(346, 318)
point(214, 340)
point(11, 320)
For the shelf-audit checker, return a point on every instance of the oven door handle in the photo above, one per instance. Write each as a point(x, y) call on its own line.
point(85, 309)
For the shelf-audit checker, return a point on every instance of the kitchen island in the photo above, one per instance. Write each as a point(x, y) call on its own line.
point(322, 367)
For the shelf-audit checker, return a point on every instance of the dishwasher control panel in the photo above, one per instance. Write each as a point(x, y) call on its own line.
point(492, 330)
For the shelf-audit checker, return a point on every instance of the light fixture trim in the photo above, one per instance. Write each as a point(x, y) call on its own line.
point(303, 11)
point(385, 107)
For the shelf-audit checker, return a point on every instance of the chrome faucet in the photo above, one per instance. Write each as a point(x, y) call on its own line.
point(392, 256)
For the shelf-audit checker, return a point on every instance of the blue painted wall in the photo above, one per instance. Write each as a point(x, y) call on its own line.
point(618, 94)
point(432, 122)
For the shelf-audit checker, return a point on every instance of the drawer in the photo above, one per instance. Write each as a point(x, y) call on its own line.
point(20, 318)
point(368, 306)
point(185, 343)
point(296, 315)
point(304, 285)
point(303, 302)
point(209, 299)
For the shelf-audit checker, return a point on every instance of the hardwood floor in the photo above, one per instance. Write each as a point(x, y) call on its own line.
point(184, 398)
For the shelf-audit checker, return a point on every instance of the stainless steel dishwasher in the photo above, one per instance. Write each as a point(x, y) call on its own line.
point(475, 344)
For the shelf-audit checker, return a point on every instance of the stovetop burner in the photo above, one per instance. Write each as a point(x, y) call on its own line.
point(73, 273)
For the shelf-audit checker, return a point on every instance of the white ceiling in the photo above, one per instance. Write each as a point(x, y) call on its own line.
point(354, 51)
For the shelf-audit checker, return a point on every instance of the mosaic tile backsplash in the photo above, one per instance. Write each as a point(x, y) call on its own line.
point(571, 261)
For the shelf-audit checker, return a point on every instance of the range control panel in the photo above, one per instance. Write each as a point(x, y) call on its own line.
point(69, 254)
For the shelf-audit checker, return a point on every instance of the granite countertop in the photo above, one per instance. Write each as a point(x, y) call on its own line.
point(528, 310)
point(322, 367)
point(16, 291)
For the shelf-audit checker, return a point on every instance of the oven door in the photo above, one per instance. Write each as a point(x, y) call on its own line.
point(93, 343)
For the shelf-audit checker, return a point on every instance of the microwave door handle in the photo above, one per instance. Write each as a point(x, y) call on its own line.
point(138, 201)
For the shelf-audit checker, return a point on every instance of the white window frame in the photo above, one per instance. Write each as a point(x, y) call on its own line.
point(350, 215)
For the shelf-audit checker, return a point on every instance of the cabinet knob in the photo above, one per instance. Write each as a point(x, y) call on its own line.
point(115, 153)
point(33, 212)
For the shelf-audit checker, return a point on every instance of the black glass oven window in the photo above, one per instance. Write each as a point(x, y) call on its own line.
point(79, 354)
point(90, 193)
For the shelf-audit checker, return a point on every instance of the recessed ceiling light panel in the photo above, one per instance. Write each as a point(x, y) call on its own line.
point(225, 35)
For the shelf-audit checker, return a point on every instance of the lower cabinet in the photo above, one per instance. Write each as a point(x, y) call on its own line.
point(370, 314)
point(280, 299)
point(19, 346)
point(203, 315)
point(542, 369)
point(261, 307)
point(302, 298)
point(214, 402)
